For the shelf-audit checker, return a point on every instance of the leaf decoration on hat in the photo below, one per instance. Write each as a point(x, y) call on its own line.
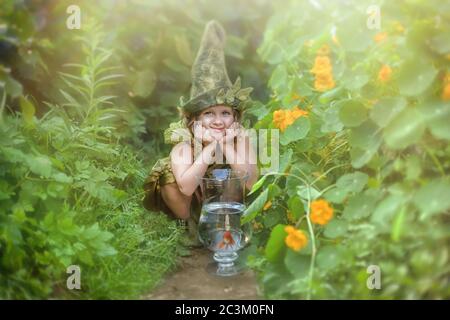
point(177, 132)
point(220, 98)
point(244, 94)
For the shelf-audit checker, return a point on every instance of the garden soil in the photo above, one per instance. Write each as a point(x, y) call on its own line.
point(191, 281)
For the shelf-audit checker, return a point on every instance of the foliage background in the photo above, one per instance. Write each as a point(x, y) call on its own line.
point(82, 114)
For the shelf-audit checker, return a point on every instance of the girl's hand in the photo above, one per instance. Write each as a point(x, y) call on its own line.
point(202, 134)
point(235, 130)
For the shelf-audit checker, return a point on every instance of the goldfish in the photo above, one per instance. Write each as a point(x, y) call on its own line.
point(227, 239)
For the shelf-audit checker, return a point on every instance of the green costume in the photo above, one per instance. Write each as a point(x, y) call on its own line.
point(210, 86)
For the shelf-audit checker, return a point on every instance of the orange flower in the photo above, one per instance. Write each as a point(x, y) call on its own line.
point(322, 64)
point(324, 50)
point(267, 205)
point(296, 239)
point(297, 97)
point(381, 36)
point(321, 212)
point(384, 75)
point(284, 118)
point(322, 70)
point(446, 92)
point(297, 112)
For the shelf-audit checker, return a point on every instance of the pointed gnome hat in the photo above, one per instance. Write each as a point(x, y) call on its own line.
point(210, 82)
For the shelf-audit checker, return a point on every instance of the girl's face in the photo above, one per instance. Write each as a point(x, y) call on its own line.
point(217, 119)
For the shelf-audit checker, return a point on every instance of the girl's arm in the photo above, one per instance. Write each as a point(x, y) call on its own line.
point(243, 157)
point(186, 171)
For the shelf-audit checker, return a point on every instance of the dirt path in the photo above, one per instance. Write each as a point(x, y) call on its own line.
point(191, 281)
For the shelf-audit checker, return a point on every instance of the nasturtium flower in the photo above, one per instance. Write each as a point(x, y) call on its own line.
point(323, 71)
point(446, 92)
point(295, 239)
point(384, 75)
point(323, 50)
point(381, 36)
point(284, 118)
point(321, 212)
point(267, 205)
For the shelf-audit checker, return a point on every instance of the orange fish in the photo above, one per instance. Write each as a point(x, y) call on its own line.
point(227, 239)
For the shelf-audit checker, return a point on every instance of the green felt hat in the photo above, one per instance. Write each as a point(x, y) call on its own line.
point(210, 82)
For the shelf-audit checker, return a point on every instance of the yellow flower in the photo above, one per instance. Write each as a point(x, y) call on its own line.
point(446, 92)
point(321, 212)
point(296, 239)
point(381, 36)
point(267, 205)
point(384, 75)
point(335, 40)
point(399, 27)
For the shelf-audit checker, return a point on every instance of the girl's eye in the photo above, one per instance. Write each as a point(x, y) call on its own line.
point(226, 112)
point(208, 112)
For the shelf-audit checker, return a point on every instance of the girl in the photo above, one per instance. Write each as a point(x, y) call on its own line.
point(211, 117)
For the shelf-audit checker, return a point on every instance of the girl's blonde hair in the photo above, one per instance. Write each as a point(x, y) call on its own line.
point(189, 118)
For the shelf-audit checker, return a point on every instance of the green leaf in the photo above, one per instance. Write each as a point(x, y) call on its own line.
point(303, 192)
point(275, 247)
point(255, 207)
point(415, 77)
point(352, 113)
point(365, 136)
point(352, 182)
point(297, 131)
point(297, 264)
point(28, 110)
point(359, 206)
point(40, 165)
point(328, 257)
point(407, 128)
point(433, 197)
point(335, 228)
point(397, 226)
point(295, 205)
point(362, 156)
point(335, 195)
point(385, 210)
point(279, 77)
point(331, 120)
point(437, 117)
point(352, 34)
point(386, 109)
point(355, 79)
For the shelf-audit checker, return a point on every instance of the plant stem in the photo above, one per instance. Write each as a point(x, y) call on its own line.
point(313, 246)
